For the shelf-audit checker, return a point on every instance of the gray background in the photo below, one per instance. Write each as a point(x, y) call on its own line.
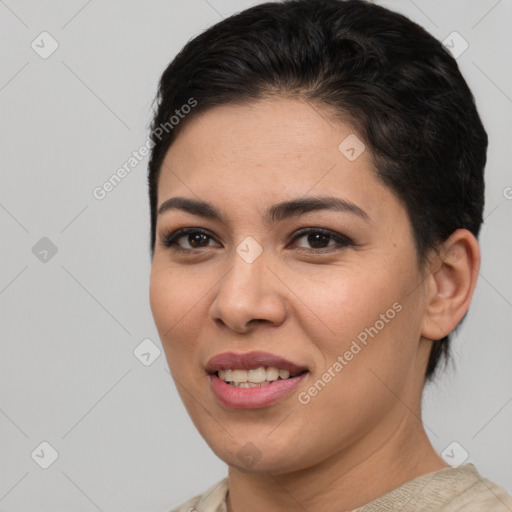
point(69, 325)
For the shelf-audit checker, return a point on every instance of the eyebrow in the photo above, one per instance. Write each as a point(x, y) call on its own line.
point(274, 214)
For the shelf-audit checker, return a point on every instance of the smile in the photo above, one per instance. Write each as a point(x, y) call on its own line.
point(260, 376)
point(253, 380)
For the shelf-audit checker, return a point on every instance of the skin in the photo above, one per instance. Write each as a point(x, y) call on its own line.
point(362, 435)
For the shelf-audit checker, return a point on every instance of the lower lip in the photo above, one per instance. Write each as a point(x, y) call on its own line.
point(255, 397)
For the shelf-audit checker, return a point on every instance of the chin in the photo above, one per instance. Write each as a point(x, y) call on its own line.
point(256, 454)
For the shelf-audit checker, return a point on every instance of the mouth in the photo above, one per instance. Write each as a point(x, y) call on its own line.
point(269, 378)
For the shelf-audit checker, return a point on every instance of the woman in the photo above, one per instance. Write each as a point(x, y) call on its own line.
point(316, 189)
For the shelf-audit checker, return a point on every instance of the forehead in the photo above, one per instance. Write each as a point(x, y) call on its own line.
point(290, 132)
point(267, 151)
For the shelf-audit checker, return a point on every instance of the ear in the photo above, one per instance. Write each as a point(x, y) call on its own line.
point(451, 284)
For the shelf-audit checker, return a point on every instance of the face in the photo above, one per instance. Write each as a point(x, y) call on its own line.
point(335, 291)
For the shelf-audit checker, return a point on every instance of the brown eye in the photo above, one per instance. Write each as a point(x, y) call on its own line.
point(194, 237)
point(319, 239)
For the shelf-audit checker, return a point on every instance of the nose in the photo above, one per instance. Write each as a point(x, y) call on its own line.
point(249, 294)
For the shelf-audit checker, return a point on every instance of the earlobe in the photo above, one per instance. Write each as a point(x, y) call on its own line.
point(452, 283)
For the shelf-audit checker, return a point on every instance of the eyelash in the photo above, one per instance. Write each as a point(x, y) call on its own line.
point(170, 239)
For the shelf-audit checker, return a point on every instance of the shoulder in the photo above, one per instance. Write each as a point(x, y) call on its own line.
point(477, 494)
point(454, 489)
point(211, 500)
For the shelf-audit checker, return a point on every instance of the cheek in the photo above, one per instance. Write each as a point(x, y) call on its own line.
point(175, 300)
point(369, 319)
point(343, 302)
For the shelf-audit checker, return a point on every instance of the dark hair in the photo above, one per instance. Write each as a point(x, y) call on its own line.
point(398, 86)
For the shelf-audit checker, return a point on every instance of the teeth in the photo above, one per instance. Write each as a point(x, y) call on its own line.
point(254, 377)
point(284, 374)
point(239, 375)
point(272, 373)
point(257, 375)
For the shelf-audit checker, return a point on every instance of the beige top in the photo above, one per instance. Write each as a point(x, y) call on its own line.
point(447, 490)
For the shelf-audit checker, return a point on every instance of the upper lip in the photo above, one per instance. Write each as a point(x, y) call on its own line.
point(250, 360)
